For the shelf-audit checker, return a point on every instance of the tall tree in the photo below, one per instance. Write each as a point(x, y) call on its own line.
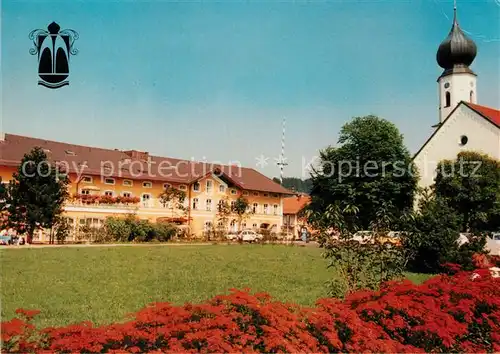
point(370, 167)
point(36, 194)
point(470, 184)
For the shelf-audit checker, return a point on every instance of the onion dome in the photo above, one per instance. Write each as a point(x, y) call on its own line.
point(457, 50)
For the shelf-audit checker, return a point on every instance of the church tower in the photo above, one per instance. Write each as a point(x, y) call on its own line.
point(457, 82)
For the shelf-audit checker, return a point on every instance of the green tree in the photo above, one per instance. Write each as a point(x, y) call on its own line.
point(36, 194)
point(371, 166)
point(241, 209)
point(470, 185)
point(431, 237)
point(173, 199)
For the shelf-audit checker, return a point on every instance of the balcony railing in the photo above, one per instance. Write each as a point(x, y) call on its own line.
point(103, 201)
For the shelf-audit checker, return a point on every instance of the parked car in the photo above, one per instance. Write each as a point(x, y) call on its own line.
point(250, 236)
point(362, 237)
point(232, 236)
point(496, 236)
point(5, 240)
point(392, 238)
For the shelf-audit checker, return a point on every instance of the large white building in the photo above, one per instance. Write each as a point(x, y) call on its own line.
point(463, 124)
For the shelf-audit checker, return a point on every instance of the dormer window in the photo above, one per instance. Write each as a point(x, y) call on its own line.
point(70, 153)
point(87, 179)
point(147, 184)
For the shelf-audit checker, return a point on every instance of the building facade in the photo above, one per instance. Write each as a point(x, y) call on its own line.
point(118, 183)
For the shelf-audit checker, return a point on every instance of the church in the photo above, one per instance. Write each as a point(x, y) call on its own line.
point(463, 125)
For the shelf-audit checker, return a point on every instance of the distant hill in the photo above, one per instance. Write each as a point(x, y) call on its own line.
point(296, 184)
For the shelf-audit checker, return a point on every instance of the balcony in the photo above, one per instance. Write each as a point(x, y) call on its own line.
point(103, 201)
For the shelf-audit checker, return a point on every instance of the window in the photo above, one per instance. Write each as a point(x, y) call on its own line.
point(255, 208)
point(108, 193)
point(127, 182)
point(166, 186)
point(222, 188)
point(266, 195)
point(448, 99)
point(245, 193)
point(254, 226)
point(196, 187)
point(195, 203)
point(86, 191)
point(182, 187)
point(471, 97)
point(265, 208)
point(244, 225)
point(87, 179)
point(208, 225)
point(275, 195)
point(147, 184)
point(233, 191)
point(210, 184)
point(127, 194)
point(233, 204)
point(109, 181)
point(70, 153)
point(209, 205)
point(255, 194)
point(464, 140)
point(275, 209)
point(146, 198)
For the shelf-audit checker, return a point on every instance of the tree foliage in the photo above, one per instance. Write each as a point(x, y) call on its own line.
point(371, 166)
point(431, 237)
point(36, 194)
point(470, 185)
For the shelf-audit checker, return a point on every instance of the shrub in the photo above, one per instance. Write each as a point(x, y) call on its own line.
point(432, 238)
point(164, 232)
point(119, 229)
point(458, 313)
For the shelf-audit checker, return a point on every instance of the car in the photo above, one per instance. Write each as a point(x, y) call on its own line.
point(392, 238)
point(362, 237)
point(250, 236)
point(495, 236)
point(232, 236)
point(5, 240)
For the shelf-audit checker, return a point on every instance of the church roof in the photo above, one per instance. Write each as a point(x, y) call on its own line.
point(457, 51)
point(490, 114)
point(493, 115)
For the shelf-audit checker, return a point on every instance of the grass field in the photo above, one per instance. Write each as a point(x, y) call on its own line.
point(103, 284)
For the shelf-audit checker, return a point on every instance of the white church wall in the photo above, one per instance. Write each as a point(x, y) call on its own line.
point(482, 136)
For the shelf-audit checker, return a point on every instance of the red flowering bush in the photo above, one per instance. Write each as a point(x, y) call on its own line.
point(459, 313)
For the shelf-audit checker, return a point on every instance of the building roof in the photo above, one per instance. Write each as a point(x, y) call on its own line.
point(490, 114)
point(292, 205)
point(457, 50)
point(493, 115)
point(133, 164)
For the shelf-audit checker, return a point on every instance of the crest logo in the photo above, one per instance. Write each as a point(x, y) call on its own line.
point(54, 47)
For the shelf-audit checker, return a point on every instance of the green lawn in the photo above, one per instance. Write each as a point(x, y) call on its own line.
point(103, 284)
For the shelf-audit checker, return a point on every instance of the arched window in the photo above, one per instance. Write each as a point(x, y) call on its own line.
point(447, 99)
point(471, 100)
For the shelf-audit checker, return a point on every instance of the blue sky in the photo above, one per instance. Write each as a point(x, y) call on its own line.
point(213, 80)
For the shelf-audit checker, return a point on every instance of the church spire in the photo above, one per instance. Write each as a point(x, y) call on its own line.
point(457, 82)
point(457, 50)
